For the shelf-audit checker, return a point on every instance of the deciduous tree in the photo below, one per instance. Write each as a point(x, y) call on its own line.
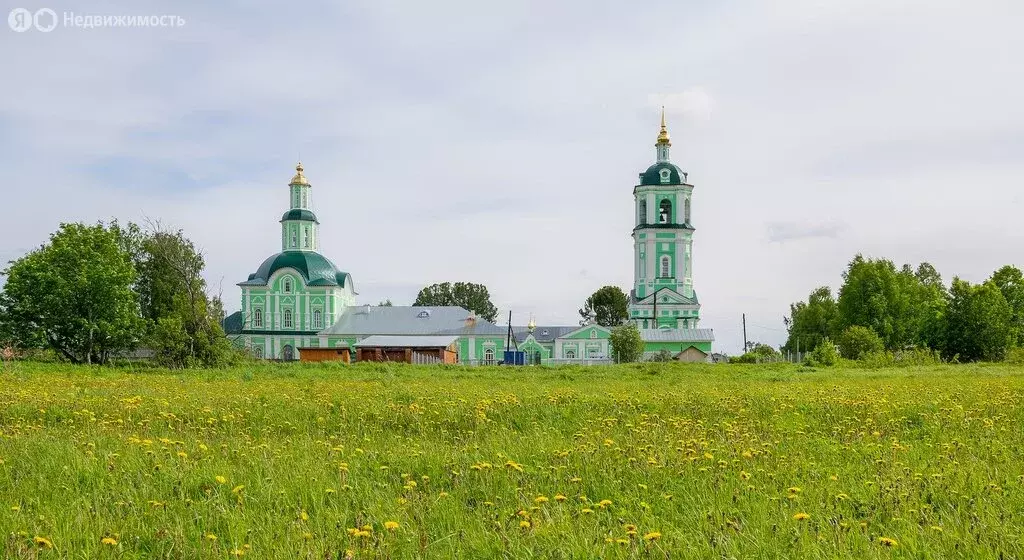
point(608, 305)
point(473, 297)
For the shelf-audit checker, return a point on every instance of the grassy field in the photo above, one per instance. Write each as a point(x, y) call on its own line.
point(420, 462)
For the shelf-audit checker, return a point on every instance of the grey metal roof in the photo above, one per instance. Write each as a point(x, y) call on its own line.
point(364, 320)
point(543, 334)
point(478, 328)
point(423, 341)
point(677, 335)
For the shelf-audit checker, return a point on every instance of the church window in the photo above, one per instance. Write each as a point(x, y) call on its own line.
point(306, 242)
point(593, 333)
point(287, 285)
point(666, 266)
point(317, 319)
point(288, 353)
point(287, 318)
point(665, 175)
point(257, 352)
point(305, 199)
point(295, 238)
point(296, 205)
point(257, 318)
point(665, 212)
point(643, 212)
point(686, 211)
point(489, 356)
point(570, 354)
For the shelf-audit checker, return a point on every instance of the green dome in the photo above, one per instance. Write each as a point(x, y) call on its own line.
point(315, 269)
point(299, 214)
point(653, 174)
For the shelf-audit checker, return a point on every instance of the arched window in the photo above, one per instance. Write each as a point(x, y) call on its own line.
point(665, 211)
point(288, 353)
point(287, 318)
point(296, 205)
point(317, 319)
point(666, 266)
point(570, 354)
point(257, 318)
point(287, 285)
point(686, 210)
point(593, 333)
point(489, 356)
point(295, 238)
point(306, 239)
point(305, 198)
point(257, 352)
point(642, 210)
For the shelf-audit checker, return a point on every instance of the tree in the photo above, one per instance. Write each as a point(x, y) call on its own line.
point(184, 320)
point(608, 305)
point(473, 297)
point(627, 345)
point(75, 295)
point(857, 341)
point(811, 322)
point(1010, 282)
point(385, 303)
point(978, 322)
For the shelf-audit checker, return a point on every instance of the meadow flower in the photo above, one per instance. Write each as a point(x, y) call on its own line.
point(886, 541)
point(390, 525)
point(110, 541)
point(652, 536)
point(524, 524)
point(586, 511)
point(221, 479)
point(211, 537)
point(801, 516)
point(559, 498)
point(541, 499)
point(43, 542)
point(604, 503)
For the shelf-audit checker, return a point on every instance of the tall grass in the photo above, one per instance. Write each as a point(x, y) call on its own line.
point(392, 461)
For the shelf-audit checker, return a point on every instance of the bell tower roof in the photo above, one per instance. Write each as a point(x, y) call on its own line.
point(663, 137)
point(299, 178)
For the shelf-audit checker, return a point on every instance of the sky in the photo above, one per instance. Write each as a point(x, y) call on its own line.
point(499, 143)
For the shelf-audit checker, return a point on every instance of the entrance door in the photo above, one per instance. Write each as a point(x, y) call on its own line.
point(288, 353)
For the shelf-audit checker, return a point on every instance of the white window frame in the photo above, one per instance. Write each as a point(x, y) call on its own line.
point(287, 320)
point(287, 285)
point(257, 318)
point(665, 266)
point(570, 354)
point(318, 318)
point(489, 356)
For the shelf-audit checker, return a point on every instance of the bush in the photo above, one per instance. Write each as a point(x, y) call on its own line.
point(857, 341)
point(1015, 356)
point(901, 358)
point(824, 354)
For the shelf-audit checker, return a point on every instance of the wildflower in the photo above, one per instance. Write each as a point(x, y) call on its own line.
point(524, 524)
point(559, 498)
point(801, 516)
point(936, 528)
point(886, 541)
point(238, 489)
point(43, 542)
point(108, 541)
point(15, 508)
point(304, 515)
point(540, 499)
point(586, 511)
point(390, 525)
point(604, 503)
point(652, 536)
point(744, 475)
point(211, 537)
point(794, 490)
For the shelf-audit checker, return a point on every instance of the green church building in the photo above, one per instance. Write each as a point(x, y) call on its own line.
point(298, 299)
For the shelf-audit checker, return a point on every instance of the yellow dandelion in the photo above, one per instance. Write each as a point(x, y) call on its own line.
point(936, 528)
point(304, 515)
point(390, 525)
point(586, 511)
point(886, 541)
point(238, 489)
point(604, 503)
point(211, 537)
point(221, 480)
point(43, 542)
point(801, 516)
point(541, 499)
point(652, 536)
point(524, 524)
point(110, 541)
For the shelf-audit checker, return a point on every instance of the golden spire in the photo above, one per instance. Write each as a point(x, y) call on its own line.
point(532, 325)
point(663, 135)
point(299, 178)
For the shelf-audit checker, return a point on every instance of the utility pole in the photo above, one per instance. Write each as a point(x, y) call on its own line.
point(745, 348)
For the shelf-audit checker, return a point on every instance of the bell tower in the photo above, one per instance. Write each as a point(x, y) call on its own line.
point(663, 295)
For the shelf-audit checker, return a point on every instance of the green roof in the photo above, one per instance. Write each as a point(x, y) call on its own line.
point(315, 269)
point(653, 174)
point(299, 214)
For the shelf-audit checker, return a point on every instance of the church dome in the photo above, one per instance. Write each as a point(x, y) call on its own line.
point(653, 174)
point(299, 214)
point(315, 269)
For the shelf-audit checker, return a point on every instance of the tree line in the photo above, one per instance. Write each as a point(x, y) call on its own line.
point(880, 307)
point(94, 293)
